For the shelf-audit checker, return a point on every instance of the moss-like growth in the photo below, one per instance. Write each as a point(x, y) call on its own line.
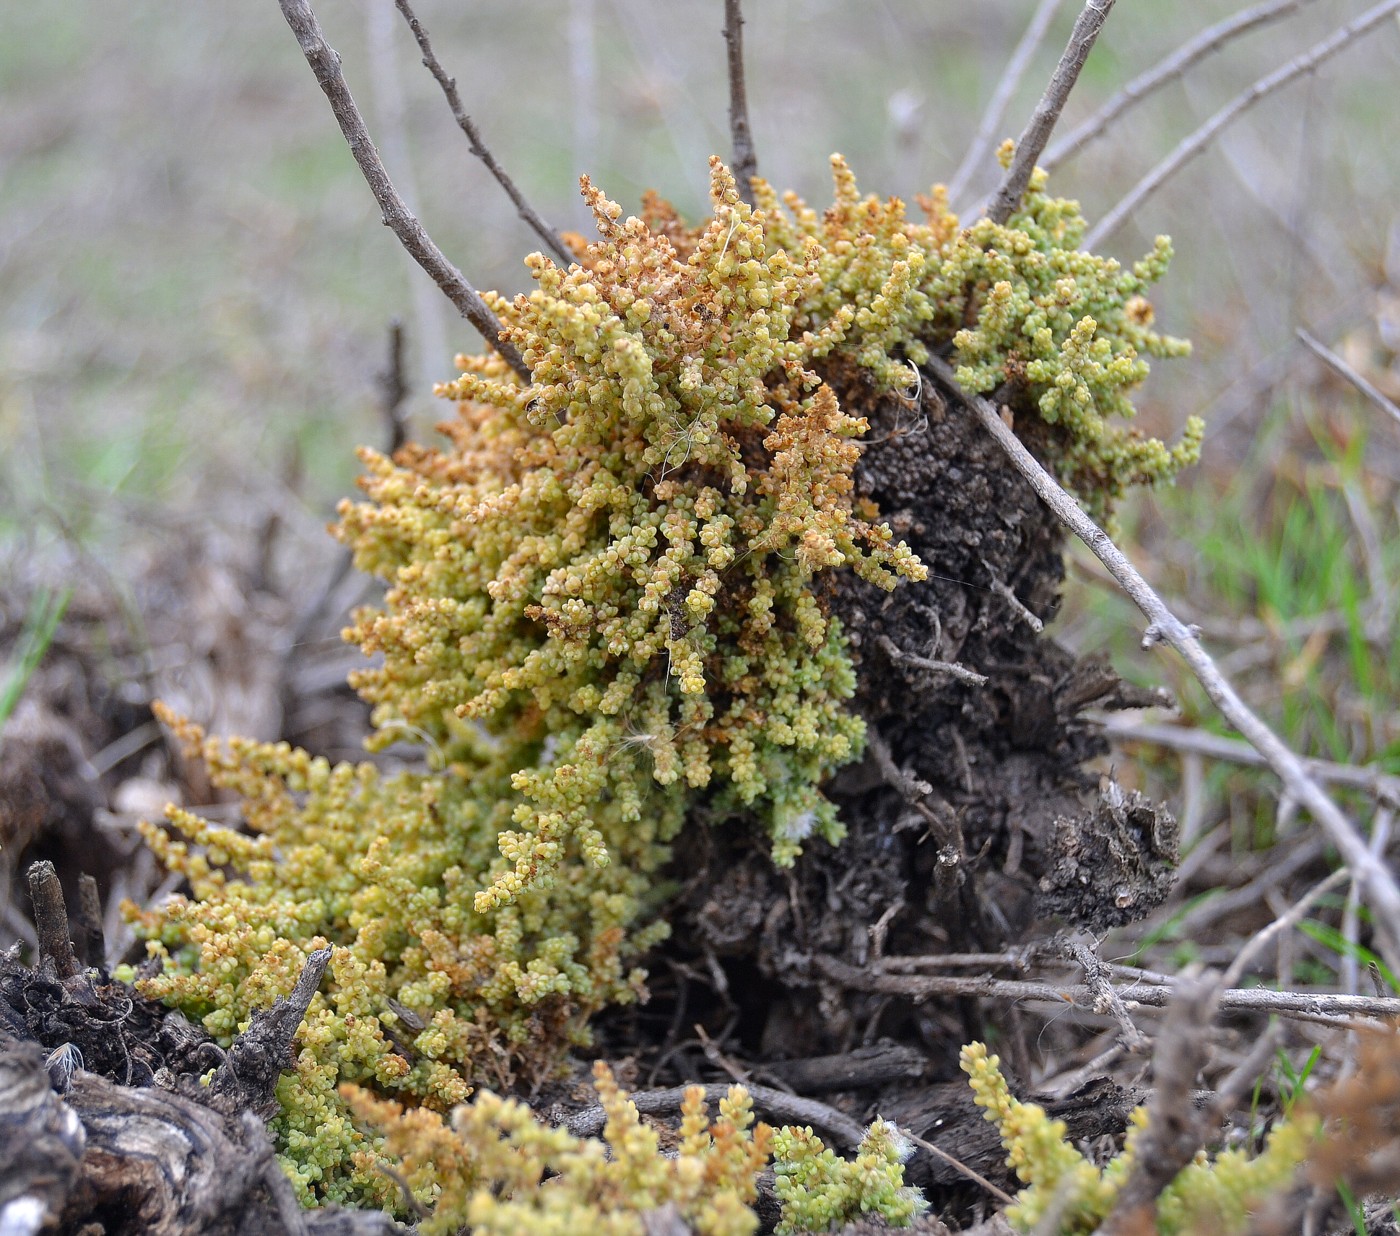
point(819, 1190)
point(1208, 1196)
point(425, 995)
point(607, 604)
point(485, 1168)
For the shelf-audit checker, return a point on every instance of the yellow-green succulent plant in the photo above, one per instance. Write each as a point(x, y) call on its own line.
point(607, 603)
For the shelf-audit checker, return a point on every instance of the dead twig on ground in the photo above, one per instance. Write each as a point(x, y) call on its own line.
point(1191, 146)
point(784, 1107)
point(951, 668)
point(533, 219)
point(745, 157)
point(1384, 786)
point(1042, 122)
point(1165, 627)
point(1342, 369)
point(1309, 1006)
point(1007, 82)
point(959, 1166)
point(325, 64)
point(1166, 71)
point(1106, 998)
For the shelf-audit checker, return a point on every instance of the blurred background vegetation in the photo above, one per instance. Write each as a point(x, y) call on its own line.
point(196, 288)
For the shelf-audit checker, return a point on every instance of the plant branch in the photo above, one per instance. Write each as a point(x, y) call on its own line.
point(325, 64)
point(1164, 626)
point(1343, 370)
point(745, 158)
point(1191, 146)
point(1384, 786)
point(1007, 83)
point(478, 147)
point(1166, 71)
point(1042, 122)
point(1313, 1006)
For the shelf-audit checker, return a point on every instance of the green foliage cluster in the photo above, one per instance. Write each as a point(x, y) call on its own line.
point(425, 994)
point(819, 1190)
point(1208, 1196)
point(605, 604)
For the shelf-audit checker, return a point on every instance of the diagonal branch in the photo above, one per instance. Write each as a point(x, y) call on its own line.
point(1037, 132)
point(478, 147)
point(1166, 71)
point(1191, 146)
point(325, 64)
point(1007, 83)
point(1343, 370)
point(1163, 626)
point(745, 158)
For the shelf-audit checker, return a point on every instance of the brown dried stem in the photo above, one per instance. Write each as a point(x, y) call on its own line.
point(1042, 122)
point(51, 920)
point(1191, 146)
point(1165, 627)
point(745, 158)
point(479, 148)
point(325, 64)
point(1007, 82)
point(1166, 71)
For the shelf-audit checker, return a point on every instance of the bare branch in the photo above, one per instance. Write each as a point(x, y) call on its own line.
point(1106, 998)
point(1384, 786)
point(1037, 132)
point(745, 158)
point(325, 64)
point(1341, 368)
point(1309, 1006)
point(959, 1166)
point(1173, 1133)
point(1166, 71)
point(1007, 83)
point(1191, 146)
point(951, 668)
point(478, 147)
point(1284, 922)
point(1164, 626)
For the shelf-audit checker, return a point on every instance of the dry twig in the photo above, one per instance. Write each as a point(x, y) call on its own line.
point(788, 1108)
point(1307, 1006)
point(1384, 786)
point(1165, 627)
point(1166, 71)
point(950, 668)
point(1037, 132)
point(1007, 82)
point(325, 64)
point(745, 158)
point(959, 1166)
point(1340, 367)
point(1173, 1132)
point(1191, 146)
point(478, 147)
point(1106, 998)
